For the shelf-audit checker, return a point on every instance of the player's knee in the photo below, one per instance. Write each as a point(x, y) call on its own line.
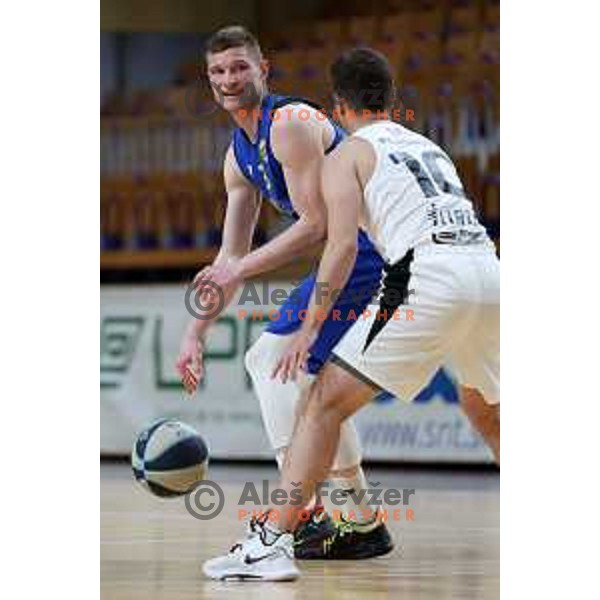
point(257, 356)
point(470, 399)
point(327, 412)
point(485, 417)
point(328, 404)
point(341, 393)
point(262, 356)
point(492, 418)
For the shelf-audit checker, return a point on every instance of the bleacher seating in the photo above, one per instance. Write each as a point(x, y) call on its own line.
point(162, 151)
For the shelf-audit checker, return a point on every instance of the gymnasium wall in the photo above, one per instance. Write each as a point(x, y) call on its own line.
point(149, 60)
point(173, 15)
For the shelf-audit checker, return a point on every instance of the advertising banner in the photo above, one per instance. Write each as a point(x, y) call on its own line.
point(141, 329)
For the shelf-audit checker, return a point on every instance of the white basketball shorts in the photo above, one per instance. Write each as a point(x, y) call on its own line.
point(451, 317)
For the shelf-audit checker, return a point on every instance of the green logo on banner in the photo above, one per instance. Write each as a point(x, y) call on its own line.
point(119, 337)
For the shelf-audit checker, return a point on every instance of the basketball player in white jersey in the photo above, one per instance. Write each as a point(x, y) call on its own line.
point(404, 191)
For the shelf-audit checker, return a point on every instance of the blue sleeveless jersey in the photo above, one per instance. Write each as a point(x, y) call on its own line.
point(256, 161)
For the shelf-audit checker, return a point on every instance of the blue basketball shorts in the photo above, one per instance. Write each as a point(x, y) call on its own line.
point(362, 286)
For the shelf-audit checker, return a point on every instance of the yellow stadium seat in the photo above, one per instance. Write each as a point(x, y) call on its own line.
point(395, 27)
point(112, 220)
point(491, 17)
point(469, 174)
point(328, 32)
point(298, 36)
point(465, 18)
point(362, 30)
point(394, 51)
point(490, 195)
point(462, 48)
point(284, 65)
point(427, 24)
point(422, 55)
point(489, 48)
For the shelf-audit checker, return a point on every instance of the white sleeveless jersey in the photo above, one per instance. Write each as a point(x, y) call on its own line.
point(414, 195)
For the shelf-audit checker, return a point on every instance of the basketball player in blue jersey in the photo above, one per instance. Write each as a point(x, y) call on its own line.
point(277, 151)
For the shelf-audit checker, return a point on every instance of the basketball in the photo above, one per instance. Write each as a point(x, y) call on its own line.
point(169, 458)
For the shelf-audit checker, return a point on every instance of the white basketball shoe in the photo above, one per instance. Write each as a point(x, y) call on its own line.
point(264, 556)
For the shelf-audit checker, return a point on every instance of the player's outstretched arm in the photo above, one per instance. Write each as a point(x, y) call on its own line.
point(241, 216)
point(342, 194)
point(243, 207)
point(298, 146)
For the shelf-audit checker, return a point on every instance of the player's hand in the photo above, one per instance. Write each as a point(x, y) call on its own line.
point(295, 357)
point(226, 275)
point(189, 364)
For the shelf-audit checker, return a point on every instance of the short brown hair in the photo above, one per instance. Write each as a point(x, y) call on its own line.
point(363, 77)
point(234, 36)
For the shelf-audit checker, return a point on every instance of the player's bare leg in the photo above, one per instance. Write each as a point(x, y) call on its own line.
point(484, 417)
point(267, 551)
point(318, 538)
point(335, 396)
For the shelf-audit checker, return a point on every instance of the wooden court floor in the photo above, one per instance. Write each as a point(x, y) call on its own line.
point(152, 549)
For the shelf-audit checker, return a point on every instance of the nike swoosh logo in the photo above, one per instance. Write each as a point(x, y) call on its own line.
point(250, 560)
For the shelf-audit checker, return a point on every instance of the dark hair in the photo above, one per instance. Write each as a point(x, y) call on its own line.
point(234, 36)
point(363, 78)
